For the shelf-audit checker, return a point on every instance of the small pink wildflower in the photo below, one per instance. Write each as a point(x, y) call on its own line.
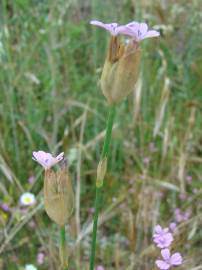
point(137, 31)
point(5, 207)
point(162, 237)
point(40, 258)
point(181, 216)
point(172, 226)
point(31, 179)
point(168, 260)
point(100, 267)
point(46, 159)
point(188, 179)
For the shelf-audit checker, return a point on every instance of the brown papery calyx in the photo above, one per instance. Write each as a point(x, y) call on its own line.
point(58, 195)
point(120, 71)
point(116, 50)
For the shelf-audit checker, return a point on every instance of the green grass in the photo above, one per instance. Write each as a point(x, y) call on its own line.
point(51, 60)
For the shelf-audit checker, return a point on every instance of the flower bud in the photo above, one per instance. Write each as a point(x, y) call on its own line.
point(58, 195)
point(101, 171)
point(120, 71)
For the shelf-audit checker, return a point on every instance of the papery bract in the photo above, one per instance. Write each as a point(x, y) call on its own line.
point(58, 195)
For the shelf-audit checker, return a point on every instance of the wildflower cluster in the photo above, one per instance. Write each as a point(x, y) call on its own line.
point(163, 238)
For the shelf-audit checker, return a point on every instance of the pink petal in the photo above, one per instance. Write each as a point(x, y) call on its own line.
point(128, 31)
point(165, 253)
point(143, 27)
point(133, 25)
point(162, 265)
point(172, 226)
point(158, 229)
point(46, 159)
point(176, 259)
point(111, 27)
point(151, 33)
point(60, 156)
point(165, 230)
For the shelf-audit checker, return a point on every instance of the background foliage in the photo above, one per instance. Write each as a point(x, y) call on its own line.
point(51, 60)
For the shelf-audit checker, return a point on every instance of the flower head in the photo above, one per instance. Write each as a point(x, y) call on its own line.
point(40, 258)
point(168, 260)
point(27, 199)
point(121, 67)
point(137, 31)
point(46, 159)
point(162, 237)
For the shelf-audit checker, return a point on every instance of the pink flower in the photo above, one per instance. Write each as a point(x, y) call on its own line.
point(138, 31)
point(5, 207)
point(135, 30)
point(40, 258)
point(168, 260)
point(162, 237)
point(188, 179)
point(31, 179)
point(46, 159)
point(172, 226)
point(100, 267)
point(181, 216)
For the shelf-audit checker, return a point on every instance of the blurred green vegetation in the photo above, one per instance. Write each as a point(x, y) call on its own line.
point(51, 60)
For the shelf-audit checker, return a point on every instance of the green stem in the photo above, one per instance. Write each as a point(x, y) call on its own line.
point(63, 249)
point(98, 196)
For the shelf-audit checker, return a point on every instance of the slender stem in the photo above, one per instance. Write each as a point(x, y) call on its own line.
point(63, 248)
point(98, 196)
